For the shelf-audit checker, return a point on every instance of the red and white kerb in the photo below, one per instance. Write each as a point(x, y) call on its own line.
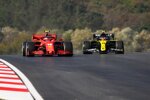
point(11, 85)
point(9, 81)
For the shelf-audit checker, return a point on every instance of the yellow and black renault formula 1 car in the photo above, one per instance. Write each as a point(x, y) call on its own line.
point(103, 44)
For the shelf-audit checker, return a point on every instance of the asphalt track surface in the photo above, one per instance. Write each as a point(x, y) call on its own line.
point(88, 77)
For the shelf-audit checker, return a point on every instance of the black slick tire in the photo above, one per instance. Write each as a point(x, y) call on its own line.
point(86, 45)
point(68, 47)
point(119, 45)
point(29, 49)
point(24, 49)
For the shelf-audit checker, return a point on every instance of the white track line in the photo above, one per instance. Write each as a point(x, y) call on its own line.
point(26, 81)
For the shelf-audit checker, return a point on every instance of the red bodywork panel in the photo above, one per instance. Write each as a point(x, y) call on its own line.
point(44, 44)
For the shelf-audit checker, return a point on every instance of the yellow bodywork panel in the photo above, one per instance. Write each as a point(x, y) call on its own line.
point(103, 45)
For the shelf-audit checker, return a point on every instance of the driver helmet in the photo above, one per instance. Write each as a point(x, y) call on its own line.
point(47, 32)
point(103, 35)
point(103, 32)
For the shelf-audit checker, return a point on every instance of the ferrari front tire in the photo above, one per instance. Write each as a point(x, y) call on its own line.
point(67, 46)
point(29, 49)
point(24, 49)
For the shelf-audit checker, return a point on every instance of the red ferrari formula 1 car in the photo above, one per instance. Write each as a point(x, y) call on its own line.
point(46, 44)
